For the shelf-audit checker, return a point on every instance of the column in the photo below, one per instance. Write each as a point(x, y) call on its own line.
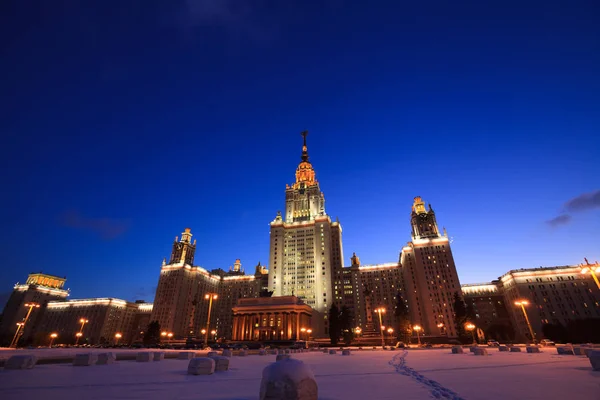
point(235, 322)
point(243, 327)
point(297, 326)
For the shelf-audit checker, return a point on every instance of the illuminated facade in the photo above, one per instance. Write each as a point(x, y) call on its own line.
point(39, 289)
point(305, 245)
point(105, 318)
point(272, 318)
point(430, 275)
point(555, 295)
point(180, 306)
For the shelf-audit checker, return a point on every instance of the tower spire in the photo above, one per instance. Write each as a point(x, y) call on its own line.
point(304, 148)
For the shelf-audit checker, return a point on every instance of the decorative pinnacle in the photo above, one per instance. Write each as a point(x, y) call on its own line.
point(304, 148)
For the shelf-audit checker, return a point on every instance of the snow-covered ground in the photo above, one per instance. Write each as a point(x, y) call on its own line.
point(416, 374)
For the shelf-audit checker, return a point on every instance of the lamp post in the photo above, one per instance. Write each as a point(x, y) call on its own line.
point(470, 327)
point(390, 331)
point(117, 337)
point(592, 269)
point(82, 321)
point(170, 335)
point(16, 337)
point(214, 333)
point(303, 330)
point(417, 328)
point(308, 331)
point(52, 337)
point(380, 311)
point(21, 328)
point(522, 304)
point(210, 297)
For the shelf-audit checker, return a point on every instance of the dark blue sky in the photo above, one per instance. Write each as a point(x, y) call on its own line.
point(121, 125)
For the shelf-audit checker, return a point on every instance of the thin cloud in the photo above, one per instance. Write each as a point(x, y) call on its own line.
point(583, 202)
point(560, 220)
point(106, 228)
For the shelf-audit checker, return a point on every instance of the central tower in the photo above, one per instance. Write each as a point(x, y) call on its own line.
point(304, 200)
point(306, 246)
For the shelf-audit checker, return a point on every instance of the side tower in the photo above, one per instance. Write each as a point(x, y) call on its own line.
point(177, 287)
point(429, 274)
point(305, 246)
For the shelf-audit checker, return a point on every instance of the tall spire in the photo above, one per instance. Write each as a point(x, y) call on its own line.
point(304, 148)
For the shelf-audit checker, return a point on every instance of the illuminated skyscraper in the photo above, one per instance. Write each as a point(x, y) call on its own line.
point(306, 246)
point(429, 274)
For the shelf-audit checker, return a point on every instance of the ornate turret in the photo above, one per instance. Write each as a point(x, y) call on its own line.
point(355, 260)
point(183, 250)
point(424, 225)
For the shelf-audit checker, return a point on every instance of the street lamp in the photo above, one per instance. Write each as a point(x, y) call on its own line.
point(417, 328)
point(52, 337)
point(308, 331)
point(592, 269)
point(303, 330)
point(390, 331)
point(82, 321)
point(21, 328)
point(15, 338)
point(203, 331)
point(380, 311)
point(170, 335)
point(470, 327)
point(117, 337)
point(210, 297)
point(214, 333)
point(522, 304)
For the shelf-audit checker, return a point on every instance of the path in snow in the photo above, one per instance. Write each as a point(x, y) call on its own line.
point(437, 390)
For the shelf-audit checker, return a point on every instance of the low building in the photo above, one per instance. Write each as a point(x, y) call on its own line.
point(550, 295)
point(491, 313)
point(38, 290)
point(554, 295)
point(98, 319)
point(273, 318)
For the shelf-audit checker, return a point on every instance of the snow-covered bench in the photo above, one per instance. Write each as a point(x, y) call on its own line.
point(288, 379)
point(201, 366)
point(25, 361)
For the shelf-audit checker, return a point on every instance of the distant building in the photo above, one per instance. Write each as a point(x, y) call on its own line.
point(305, 244)
point(105, 317)
point(273, 318)
point(38, 289)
